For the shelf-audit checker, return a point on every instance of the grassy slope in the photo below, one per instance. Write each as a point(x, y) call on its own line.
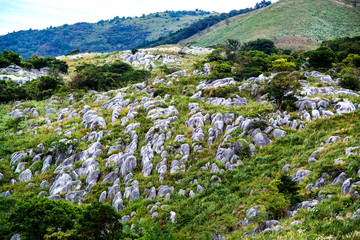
point(104, 36)
point(219, 208)
point(315, 20)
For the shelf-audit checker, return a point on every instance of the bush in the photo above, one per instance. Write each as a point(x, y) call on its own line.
point(103, 78)
point(289, 189)
point(222, 92)
point(282, 90)
point(283, 65)
point(251, 64)
point(321, 58)
point(350, 82)
point(220, 70)
point(263, 45)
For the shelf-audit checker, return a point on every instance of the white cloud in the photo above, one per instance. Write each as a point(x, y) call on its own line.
point(38, 14)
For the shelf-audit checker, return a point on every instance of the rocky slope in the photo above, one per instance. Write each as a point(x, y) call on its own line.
point(197, 166)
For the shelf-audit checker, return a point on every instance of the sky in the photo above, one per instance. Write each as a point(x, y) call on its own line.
point(18, 15)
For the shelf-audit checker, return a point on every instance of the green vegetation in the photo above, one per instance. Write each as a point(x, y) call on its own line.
point(201, 25)
point(225, 196)
point(290, 23)
point(104, 36)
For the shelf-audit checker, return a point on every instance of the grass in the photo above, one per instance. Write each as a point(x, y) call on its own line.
point(288, 21)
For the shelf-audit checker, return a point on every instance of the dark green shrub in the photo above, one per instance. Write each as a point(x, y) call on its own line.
point(220, 70)
point(321, 58)
point(251, 64)
point(282, 90)
point(264, 45)
point(289, 189)
point(350, 82)
point(223, 92)
point(34, 218)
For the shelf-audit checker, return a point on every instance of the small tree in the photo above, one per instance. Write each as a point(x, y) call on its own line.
point(282, 90)
point(321, 58)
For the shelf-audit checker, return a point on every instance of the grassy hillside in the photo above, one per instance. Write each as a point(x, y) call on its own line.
point(313, 20)
point(184, 153)
point(104, 36)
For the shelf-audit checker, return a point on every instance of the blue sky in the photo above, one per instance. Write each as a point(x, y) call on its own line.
point(18, 15)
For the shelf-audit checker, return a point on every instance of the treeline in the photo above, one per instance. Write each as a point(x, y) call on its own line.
point(200, 26)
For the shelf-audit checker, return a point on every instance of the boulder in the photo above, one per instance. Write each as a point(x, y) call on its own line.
point(25, 175)
point(261, 140)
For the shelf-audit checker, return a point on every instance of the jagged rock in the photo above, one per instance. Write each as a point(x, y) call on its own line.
point(253, 213)
point(102, 197)
point(20, 167)
point(93, 176)
point(344, 107)
point(332, 139)
point(278, 133)
point(54, 197)
point(346, 187)
point(152, 194)
point(191, 194)
point(339, 179)
point(134, 194)
point(62, 184)
point(286, 168)
point(5, 194)
point(173, 217)
point(313, 155)
point(111, 177)
point(299, 177)
point(261, 140)
point(277, 228)
point(17, 157)
point(87, 166)
point(16, 237)
point(25, 175)
point(164, 189)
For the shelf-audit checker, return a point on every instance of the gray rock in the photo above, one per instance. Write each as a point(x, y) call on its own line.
point(286, 168)
point(253, 213)
point(134, 194)
point(16, 113)
point(277, 228)
point(62, 184)
point(346, 187)
point(54, 197)
point(313, 155)
point(102, 197)
point(344, 107)
point(17, 157)
point(25, 175)
point(261, 140)
point(295, 223)
point(191, 194)
point(173, 217)
point(1, 176)
point(44, 184)
point(152, 194)
point(164, 189)
point(332, 139)
point(111, 177)
point(278, 133)
point(93, 176)
point(20, 167)
point(339, 179)
point(16, 237)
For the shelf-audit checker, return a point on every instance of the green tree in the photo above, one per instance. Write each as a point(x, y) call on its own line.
point(282, 90)
point(34, 218)
point(264, 45)
point(99, 221)
point(321, 58)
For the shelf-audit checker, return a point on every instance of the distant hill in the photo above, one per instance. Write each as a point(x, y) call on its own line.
point(104, 36)
point(296, 24)
point(205, 23)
